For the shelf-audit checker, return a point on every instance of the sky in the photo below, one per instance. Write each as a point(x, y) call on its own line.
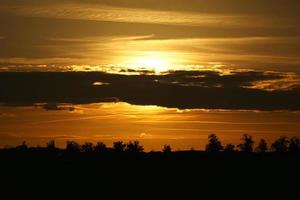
point(224, 56)
point(256, 34)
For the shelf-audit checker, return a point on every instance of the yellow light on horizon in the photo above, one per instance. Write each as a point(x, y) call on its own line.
point(156, 61)
point(157, 64)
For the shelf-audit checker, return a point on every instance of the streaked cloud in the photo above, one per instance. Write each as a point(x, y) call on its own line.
point(82, 11)
point(287, 81)
point(108, 122)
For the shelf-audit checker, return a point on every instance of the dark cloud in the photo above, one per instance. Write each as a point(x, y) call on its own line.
point(181, 89)
point(211, 79)
point(57, 107)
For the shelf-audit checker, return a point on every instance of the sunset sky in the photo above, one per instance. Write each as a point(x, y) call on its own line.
point(160, 71)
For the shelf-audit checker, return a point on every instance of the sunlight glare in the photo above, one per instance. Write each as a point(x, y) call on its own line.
point(156, 61)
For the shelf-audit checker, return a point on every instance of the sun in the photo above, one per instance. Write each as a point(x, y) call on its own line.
point(156, 61)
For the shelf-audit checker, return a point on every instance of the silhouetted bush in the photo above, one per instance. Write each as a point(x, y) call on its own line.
point(294, 146)
point(72, 147)
point(100, 147)
point(51, 146)
point(281, 145)
point(167, 149)
point(247, 145)
point(119, 146)
point(134, 147)
point(262, 146)
point(87, 147)
point(214, 145)
point(229, 148)
point(22, 147)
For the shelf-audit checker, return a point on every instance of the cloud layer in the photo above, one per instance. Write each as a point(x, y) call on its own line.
point(178, 89)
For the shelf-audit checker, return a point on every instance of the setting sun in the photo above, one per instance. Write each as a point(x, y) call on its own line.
point(156, 63)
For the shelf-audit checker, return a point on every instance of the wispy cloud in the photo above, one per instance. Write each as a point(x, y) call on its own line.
point(137, 15)
point(6, 115)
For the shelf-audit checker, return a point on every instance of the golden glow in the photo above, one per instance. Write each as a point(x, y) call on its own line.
point(153, 126)
point(156, 61)
point(158, 64)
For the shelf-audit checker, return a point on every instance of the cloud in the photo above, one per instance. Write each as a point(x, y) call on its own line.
point(116, 14)
point(6, 115)
point(57, 107)
point(100, 83)
point(146, 136)
point(63, 54)
point(276, 7)
point(177, 89)
point(23, 137)
point(102, 12)
point(285, 81)
point(267, 80)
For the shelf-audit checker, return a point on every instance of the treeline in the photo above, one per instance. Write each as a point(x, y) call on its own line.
point(281, 145)
point(248, 145)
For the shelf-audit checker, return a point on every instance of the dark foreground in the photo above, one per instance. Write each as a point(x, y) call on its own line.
point(151, 175)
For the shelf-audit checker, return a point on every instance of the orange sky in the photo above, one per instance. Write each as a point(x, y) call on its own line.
point(154, 126)
point(173, 54)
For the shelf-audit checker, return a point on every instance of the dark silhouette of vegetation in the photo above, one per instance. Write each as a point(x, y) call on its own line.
point(247, 145)
point(214, 145)
point(294, 145)
point(129, 164)
point(262, 146)
point(125, 164)
point(72, 147)
point(51, 145)
point(22, 147)
point(119, 146)
point(134, 147)
point(281, 145)
point(100, 147)
point(229, 148)
point(88, 147)
point(167, 149)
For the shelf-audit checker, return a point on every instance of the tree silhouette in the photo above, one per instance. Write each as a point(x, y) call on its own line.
point(247, 145)
point(100, 147)
point(72, 147)
point(134, 147)
point(294, 146)
point(119, 146)
point(51, 146)
point(262, 146)
point(214, 145)
point(87, 147)
point(22, 147)
point(280, 145)
point(229, 148)
point(167, 149)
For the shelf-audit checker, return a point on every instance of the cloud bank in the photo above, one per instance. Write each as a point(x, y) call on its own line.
point(177, 89)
